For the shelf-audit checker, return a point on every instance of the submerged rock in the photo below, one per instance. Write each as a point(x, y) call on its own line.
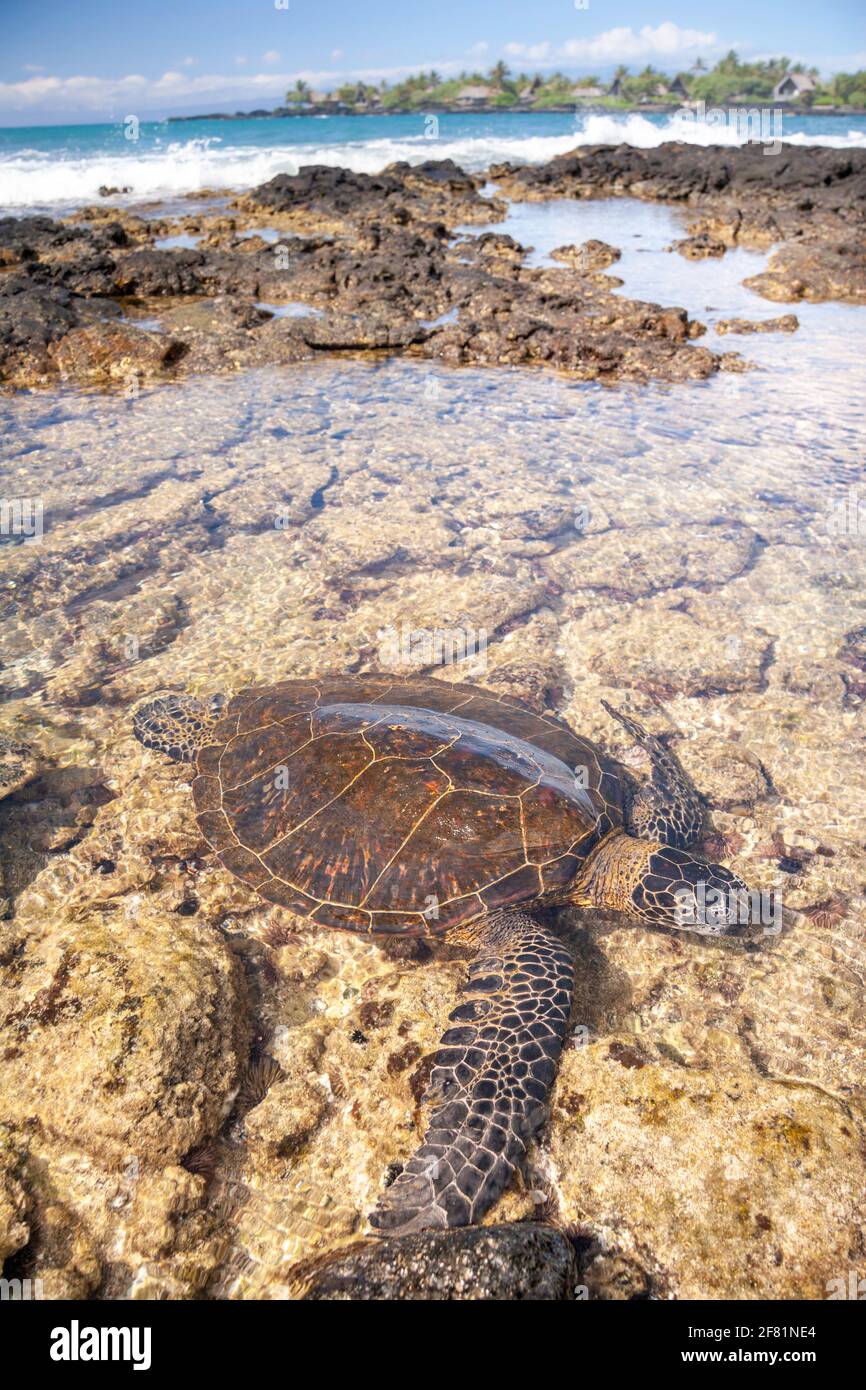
point(788, 323)
point(592, 255)
point(511, 1262)
point(18, 763)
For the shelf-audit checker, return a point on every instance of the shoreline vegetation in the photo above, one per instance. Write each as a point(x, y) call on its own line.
point(730, 83)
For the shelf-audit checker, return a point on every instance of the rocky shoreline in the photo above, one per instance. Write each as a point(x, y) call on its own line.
point(374, 264)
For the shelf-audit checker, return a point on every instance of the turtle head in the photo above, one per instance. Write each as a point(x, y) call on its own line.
point(177, 725)
point(679, 890)
point(667, 887)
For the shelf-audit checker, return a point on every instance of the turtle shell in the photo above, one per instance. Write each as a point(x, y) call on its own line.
point(375, 803)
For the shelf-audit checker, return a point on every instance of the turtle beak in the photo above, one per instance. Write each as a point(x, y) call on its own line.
point(783, 919)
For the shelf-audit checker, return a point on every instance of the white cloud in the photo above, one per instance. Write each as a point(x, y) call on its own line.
point(272, 56)
point(619, 45)
point(241, 61)
point(478, 49)
point(101, 96)
point(32, 67)
point(535, 52)
point(838, 62)
point(336, 55)
point(189, 62)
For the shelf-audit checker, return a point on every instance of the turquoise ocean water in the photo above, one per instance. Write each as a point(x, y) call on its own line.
point(54, 168)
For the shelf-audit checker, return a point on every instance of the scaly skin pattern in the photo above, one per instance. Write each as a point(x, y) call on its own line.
point(666, 808)
point(493, 1075)
point(174, 724)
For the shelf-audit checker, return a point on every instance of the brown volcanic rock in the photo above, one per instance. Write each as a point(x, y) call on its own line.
point(435, 188)
point(393, 279)
point(788, 323)
point(808, 195)
point(387, 284)
point(115, 352)
point(815, 271)
point(816, 177)
point(700, 247)
point(592, 255)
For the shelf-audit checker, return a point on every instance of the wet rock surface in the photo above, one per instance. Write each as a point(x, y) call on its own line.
point(376, 256)
point(377, 267)
point(509, 1262)
point(788, 323)
point(811, 198)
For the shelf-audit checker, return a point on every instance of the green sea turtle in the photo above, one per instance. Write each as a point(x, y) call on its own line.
point(407, 805)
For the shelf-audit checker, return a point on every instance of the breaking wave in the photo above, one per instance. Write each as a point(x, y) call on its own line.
point(163, 168)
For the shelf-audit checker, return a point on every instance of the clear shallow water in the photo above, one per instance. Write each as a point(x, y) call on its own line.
point(181, 242)
point(294, 310)
point(64, 166)
point(676, 548)
point(826, 403)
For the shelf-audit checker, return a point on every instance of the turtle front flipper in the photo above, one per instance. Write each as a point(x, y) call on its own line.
point(493, 1074)
point(176, 724)
point(666, 808)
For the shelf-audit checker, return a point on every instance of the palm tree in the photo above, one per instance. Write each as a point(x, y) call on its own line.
point(699, 65)
point(434, 79)
point(300, 92)
point(498, 73)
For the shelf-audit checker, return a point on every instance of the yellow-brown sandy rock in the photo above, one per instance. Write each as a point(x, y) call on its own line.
point(706, 1193)
point(138, 1024)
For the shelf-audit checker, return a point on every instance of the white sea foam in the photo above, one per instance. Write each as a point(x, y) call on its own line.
point(32, 179)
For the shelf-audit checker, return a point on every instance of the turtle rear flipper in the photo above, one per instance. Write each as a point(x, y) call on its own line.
point(175, 724)
point(666, 808)
point(493, 1075)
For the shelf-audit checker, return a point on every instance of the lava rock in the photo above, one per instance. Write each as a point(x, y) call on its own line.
point(510, 1262)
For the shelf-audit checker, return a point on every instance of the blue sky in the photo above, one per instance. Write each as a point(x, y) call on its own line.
point(97, 60)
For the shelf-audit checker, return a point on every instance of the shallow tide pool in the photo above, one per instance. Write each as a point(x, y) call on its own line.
point(696, 553)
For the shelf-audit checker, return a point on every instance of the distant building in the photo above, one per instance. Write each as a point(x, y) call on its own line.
point(794, 86)
point(324, 101)
point(586, 93)
point(664, 91)
point(615, 89)
point(365, 99)
point(469, 97)
point(530, 91)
